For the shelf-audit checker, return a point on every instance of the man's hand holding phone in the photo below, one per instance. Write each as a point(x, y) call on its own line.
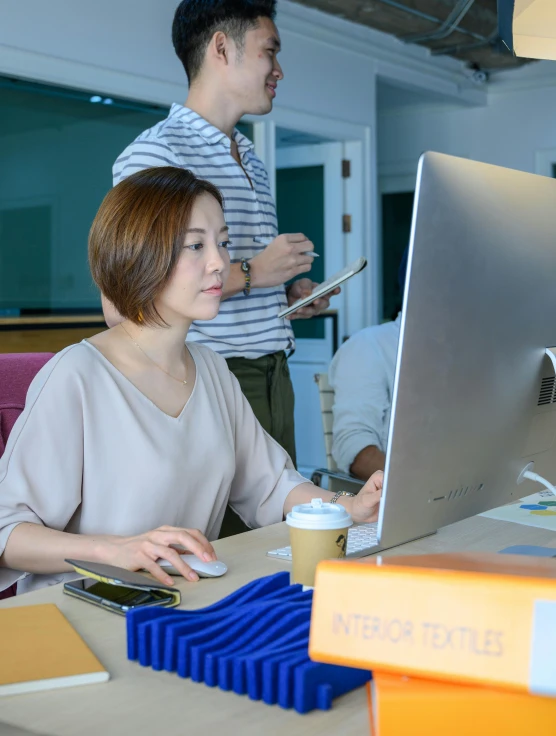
point(302, 288)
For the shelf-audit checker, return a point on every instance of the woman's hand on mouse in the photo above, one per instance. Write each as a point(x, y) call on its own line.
point(142, 551)
point(364, 507)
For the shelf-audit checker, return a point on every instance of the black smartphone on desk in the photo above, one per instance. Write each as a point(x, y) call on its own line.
point(117, 598)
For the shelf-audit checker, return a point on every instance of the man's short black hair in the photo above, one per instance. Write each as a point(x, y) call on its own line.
point(196, 21)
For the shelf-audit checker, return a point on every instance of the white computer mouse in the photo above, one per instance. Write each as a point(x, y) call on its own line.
point(203, 569)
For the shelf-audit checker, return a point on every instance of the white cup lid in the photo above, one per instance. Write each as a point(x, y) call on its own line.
point(319, 515)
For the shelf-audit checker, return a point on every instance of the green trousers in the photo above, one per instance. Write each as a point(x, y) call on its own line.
point(267, 386)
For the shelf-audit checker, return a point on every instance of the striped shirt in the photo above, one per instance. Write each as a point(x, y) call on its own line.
point(246, 326)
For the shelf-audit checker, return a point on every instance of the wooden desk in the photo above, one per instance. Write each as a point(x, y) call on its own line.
point(48, 333)
point(141, 702)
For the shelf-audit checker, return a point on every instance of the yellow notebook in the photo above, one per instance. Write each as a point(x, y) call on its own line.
point(40, 650)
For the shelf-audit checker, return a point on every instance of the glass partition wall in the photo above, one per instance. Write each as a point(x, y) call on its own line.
point(57, 147)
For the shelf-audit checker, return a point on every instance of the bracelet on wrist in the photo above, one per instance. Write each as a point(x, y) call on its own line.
point(246, 268)
point(338, 495)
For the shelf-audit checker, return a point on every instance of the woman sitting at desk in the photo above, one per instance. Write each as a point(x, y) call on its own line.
point(132, 435)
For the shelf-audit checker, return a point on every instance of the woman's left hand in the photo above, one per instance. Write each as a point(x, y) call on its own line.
point(365, 505)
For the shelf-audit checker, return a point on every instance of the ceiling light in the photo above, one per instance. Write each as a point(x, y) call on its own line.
point(95, 98)
point(528, 27)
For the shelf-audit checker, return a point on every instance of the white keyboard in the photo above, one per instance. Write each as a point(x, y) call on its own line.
point(360, 537)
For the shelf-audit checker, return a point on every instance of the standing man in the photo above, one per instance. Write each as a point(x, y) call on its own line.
point(229, 52)
point(362, 375)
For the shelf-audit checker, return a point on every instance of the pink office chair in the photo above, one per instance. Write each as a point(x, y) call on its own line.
point(17, 370)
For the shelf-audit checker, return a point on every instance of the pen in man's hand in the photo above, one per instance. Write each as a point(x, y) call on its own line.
point(267, 241)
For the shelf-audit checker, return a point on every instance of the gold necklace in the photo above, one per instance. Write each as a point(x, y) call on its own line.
point(184, 381)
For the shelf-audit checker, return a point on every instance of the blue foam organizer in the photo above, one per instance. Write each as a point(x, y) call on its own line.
point(254, 642)
point(252, 634)
point(286, 672)
point(177, 629)
point(252, 591)
point(315, 685)
point(231, 665)
point(278, 638)
point(158, 644)
point(244, 633)
point(243, 618)
point(270, 669)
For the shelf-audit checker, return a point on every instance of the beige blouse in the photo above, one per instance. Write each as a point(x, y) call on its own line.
point(91, 454)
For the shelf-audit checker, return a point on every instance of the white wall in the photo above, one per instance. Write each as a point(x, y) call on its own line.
point(103, 45)
point(510, 131)
point(126, 46)
point(132, 39)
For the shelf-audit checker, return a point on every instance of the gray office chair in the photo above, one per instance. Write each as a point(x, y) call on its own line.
point(337, 481)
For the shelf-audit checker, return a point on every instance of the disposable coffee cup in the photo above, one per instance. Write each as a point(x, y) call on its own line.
point(318, 531)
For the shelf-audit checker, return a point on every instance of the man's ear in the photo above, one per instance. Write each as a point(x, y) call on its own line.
point(219, 47)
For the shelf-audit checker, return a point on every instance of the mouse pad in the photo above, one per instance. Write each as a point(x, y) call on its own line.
point(529, 549)
point(538, 510)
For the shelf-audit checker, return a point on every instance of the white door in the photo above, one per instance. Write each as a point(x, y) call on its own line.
point(313, 355)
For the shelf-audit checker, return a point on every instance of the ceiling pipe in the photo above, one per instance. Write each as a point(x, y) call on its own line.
point(460, 10)
point(462, 47)
point(426, 16)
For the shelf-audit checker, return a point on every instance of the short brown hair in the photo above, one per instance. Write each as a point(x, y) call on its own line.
point(137, 235)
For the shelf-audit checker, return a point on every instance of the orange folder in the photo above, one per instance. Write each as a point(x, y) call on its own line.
point(40, 650)
point(476, 618)
point(404, 705)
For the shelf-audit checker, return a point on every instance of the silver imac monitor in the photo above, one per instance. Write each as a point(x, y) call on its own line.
point(474, 398)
